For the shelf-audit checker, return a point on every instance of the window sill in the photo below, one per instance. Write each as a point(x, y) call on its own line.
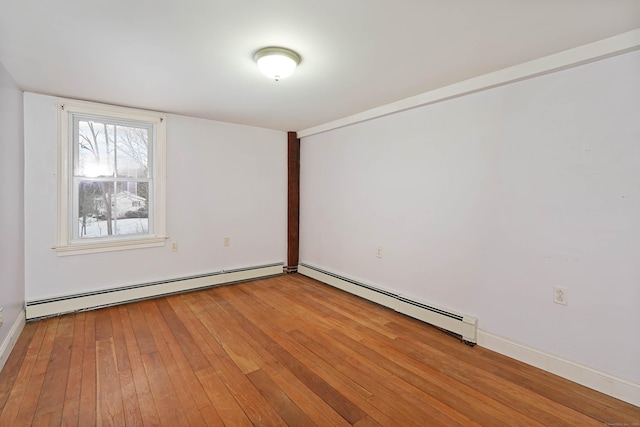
point(108, 246)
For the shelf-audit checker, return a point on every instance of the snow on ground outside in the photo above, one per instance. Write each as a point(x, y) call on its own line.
point(98, 228)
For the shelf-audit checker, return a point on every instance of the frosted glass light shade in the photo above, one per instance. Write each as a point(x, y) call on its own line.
point(277, 62)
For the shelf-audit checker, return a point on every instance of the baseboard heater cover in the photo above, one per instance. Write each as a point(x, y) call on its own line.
point(37, 309)
point(460, 324)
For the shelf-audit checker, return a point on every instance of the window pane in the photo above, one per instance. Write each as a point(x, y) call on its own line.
point(94, 149)
point(112, 208)
point(132, 152)
point(103, 148)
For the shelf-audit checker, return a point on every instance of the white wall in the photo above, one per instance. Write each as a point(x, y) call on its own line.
point(485, 202)
point(11, 194)
point(223, 180)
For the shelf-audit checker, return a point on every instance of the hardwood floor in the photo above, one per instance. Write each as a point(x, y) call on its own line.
point(281, 351)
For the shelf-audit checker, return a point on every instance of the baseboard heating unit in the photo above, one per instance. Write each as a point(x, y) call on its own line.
point(91, 300)
point(459, 324)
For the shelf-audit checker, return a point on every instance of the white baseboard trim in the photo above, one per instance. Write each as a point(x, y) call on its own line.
point(460, 324)
point(87, 301)
point(589, 377)
point(12, 338)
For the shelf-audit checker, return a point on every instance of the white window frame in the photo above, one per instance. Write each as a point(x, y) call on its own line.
point(157, 236)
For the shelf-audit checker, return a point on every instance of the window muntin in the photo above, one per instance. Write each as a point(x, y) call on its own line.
point(111, 179)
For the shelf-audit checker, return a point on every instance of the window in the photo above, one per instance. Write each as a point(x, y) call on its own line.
point(111, 167)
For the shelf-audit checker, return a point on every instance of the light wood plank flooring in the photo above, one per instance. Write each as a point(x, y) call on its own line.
point(281, 351)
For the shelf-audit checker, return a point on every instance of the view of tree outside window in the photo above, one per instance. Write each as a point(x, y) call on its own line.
point(112, 177)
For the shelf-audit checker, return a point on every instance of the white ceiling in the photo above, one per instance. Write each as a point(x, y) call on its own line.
point(194, 57)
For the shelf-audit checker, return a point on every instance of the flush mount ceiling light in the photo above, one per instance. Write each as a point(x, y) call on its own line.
point(276, 62)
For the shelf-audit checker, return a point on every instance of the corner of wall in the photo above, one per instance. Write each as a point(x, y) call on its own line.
point(11, 339)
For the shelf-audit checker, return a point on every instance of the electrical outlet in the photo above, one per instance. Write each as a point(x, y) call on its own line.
point(379, 252)
point(174, 246)
point(560, 295)
point(226, 241)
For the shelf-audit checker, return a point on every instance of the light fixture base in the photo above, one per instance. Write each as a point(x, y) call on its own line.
point(276, 62)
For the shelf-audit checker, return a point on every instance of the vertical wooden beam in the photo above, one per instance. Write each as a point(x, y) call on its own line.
point(293, 210)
